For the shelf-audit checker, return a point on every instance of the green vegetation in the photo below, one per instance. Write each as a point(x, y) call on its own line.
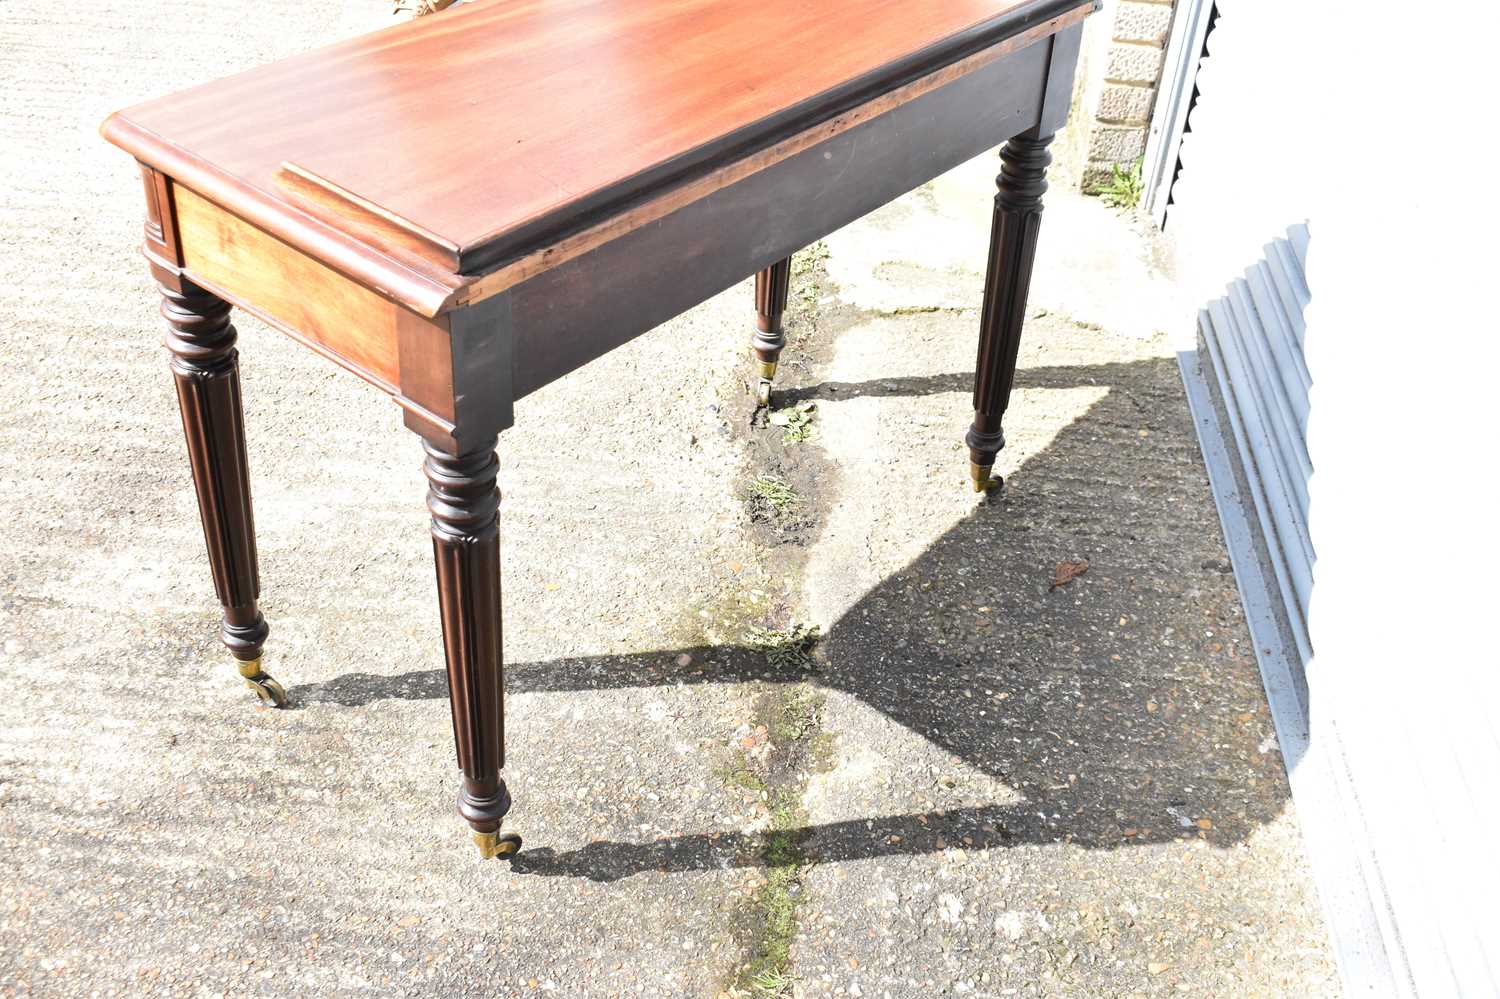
point(798, 714)
point(740, 775)
point(804, 265)
point(788, 648)
point(1124, 188)
point(777, 904)
point(791, 717)
point(772, 982)
point(795, 422)
point(774, 491)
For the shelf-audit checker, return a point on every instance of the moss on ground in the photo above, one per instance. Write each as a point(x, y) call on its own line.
point(791, 715)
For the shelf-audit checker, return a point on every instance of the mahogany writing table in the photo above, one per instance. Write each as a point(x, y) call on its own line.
point(463, 208)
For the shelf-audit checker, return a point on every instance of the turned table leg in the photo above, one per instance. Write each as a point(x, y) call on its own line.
point(771, 287)
point(465, 508)
point(1013, 237)
point(206, 368)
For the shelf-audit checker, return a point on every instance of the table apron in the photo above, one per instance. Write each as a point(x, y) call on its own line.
point(458, 375)
point(588, 306)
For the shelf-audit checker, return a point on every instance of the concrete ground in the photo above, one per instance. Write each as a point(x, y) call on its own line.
point(970, 785)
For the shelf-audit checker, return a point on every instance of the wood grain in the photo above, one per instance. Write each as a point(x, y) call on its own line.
point(205, 367)
point(565, 248)
point(465, 507)
point(1014, 232)
point(587, 306)
point(554, 117)
point(350, 322)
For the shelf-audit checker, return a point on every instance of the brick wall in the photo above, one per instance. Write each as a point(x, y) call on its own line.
point(1117, 109)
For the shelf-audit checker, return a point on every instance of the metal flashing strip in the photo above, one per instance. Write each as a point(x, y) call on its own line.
point(1361, 926)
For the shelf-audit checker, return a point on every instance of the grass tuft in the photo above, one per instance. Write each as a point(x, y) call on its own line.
point(804, 264)
point(775, 492)
point(770, 983)
point(785, 648)
point(791, 715)
point(1124, 188)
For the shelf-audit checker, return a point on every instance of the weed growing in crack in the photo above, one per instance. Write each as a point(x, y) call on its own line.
point(770, 983)
point(792, 716)
point(795, 422)
point(775, 492)
point(785, 649)
point(778, 901)
point(1125, 187)
point(741, 776)
point(799, 712)
point(804, 265)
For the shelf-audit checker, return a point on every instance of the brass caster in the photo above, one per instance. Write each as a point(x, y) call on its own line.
point(982, 480)
point(497, 844)
point(268, 690)
point(763, 393)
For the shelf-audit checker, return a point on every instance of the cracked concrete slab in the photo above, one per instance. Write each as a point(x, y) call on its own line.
point(927, 251)
point(1039, 792)
point(1001, 790)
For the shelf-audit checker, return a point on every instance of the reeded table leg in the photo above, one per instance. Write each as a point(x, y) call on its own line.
point(771, 287)
point(206, 368)
point(465, 508)
point(1013, 237)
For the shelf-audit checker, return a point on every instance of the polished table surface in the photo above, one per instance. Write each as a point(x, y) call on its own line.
point(446, 145)
point(464, 208)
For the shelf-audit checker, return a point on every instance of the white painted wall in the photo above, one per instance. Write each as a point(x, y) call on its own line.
point(1373, 124)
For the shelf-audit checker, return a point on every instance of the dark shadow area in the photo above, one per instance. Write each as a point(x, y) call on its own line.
point(1123, 708)
point(1058, 376)
point(977, 828)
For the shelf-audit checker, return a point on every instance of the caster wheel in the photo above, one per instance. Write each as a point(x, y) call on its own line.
point(269, 691)
point(502, 845)
point(763, 393)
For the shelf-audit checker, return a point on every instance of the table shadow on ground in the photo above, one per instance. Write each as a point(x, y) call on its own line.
point(1111, 734)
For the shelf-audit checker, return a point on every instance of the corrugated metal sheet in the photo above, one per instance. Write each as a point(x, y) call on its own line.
point(1247, 385)
point(1253, 338)
point(1394, 783)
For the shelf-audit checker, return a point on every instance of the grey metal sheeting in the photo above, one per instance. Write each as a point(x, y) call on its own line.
point(1254, 337)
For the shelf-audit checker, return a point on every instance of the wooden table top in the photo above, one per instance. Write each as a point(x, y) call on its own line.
point(451, 144)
